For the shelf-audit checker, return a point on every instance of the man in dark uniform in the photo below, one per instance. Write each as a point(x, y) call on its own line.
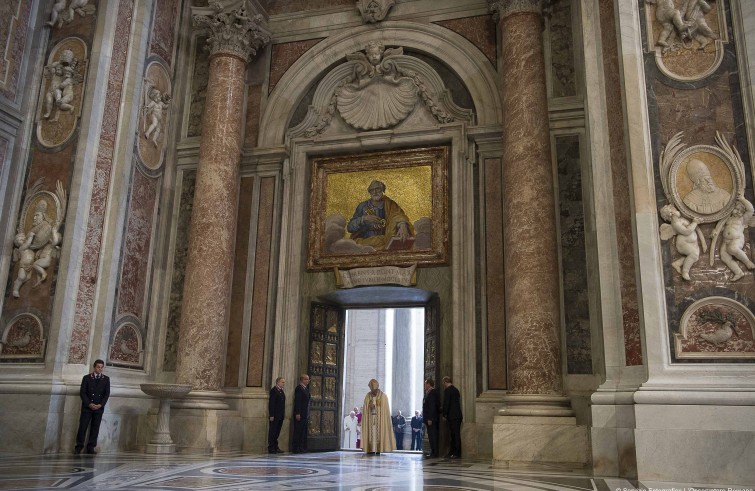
point(452, 414)
point(416, 431)
point(399, 423)
point(94, 393)
point(276, 409)
point(301, 414)
point(431, 412)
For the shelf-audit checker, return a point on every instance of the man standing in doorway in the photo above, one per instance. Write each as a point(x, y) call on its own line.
point(276, 410)
point(399, 423)
point(416, 431)
point(301, 414)
point(452, 414)
point(94, 393)
point(430, 412)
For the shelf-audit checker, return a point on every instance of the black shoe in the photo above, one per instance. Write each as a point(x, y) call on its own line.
point(452, 456)
point(278, 450)
point(77, 451)
point(91, 451)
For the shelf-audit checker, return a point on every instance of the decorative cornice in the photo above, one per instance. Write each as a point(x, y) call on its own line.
point(504, 8)
point(233, 32)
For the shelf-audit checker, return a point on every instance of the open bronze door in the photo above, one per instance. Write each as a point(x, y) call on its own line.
point(326, 330)
point(432, 340)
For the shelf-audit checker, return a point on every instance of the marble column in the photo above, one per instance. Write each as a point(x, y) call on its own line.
point(234, 38)
point(535, 413)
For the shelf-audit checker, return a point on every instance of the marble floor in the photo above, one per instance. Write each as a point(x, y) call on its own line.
point(313, 471)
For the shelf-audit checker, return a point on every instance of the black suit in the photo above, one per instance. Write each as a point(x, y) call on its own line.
point(416, 433)
point(452, 413)
point(431, 414)
point(93, 391)
point(301, 409)
point(276, 409)
point(399, 422)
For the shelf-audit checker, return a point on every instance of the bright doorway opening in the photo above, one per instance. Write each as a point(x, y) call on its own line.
point(386, 344)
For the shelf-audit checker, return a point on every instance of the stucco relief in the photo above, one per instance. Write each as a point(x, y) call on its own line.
point(705, 184)
point(377, 89)
point(156, 97)
point(716, 327)
point(374, 10)
point(687, 36)
point(127, 346)
point(64, 11)
point(62, 91)
point(23, 337)
point(38, 236)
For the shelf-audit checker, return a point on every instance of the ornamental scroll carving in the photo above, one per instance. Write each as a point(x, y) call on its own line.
point(374, 10)
point(378, 89)
point(233, 32)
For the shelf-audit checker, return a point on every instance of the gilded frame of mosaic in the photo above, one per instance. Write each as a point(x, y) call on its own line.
point(416, 179)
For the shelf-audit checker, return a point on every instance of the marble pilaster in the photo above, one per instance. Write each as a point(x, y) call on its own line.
point(233, 38)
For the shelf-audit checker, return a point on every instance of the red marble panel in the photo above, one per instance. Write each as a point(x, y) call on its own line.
point(133, 284)
point(261, 286)
point(289, 6)
point(621, 185)
point(238, 287)
point(98, 203)
point(164, 29)
point(494, 276)
point(253, 99)
point(284, 55)
point(479, 30)
point(14, 29)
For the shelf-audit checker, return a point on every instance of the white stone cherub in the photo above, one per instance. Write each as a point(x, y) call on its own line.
point(153, 114)
point(686, 239)
point(63, 76)
point(56, 16)
point(732, 229)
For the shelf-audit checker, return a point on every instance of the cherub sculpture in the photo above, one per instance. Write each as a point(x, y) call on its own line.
point(36, 248)
point(56, 15)
point(60, 13)
point(686, 239)
point(153, 113)
point(683, 24)
point(732, 228)
point(63, 75)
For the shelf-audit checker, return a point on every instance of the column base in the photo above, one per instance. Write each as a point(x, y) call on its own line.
point(203, 399)
point(543, 439)
point(161, 448)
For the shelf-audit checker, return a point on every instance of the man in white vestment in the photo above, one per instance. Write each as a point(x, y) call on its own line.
point(350, 431)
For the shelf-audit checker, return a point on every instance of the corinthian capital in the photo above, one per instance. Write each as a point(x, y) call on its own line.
point(503, 8)
point(233, 32)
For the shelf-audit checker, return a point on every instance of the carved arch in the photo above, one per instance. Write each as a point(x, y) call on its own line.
point(458, 53)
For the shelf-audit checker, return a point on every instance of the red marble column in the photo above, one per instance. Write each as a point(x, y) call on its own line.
point(233, 39)
point(533, 319)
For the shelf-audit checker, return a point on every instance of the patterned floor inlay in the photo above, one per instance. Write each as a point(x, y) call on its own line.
point(333, 471)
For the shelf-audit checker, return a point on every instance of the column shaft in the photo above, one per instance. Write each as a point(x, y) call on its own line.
point(207, 285)
point(530, 240)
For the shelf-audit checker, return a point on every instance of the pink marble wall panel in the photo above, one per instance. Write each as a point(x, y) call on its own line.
point(14, 28)
point(261, 286)
point(621, 185)
point(164, 29)
point(132, 287)
point(275, 7)
point(494, 276)
point(238, 288)
point(284, 55)
point(479, 30)
point(98, 203)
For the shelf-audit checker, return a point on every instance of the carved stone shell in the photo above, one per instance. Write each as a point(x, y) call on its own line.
point(381, 104)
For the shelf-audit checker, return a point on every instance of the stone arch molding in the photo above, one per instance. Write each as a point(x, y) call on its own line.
point(379, 94)
point(456, 52)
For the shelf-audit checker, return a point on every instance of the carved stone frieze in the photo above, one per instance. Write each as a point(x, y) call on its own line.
point(705, 184)
point(716, 327)
point(63, 11)
point(503, 8)
point(233, 32)
point(374, 10)
point(377, 89)
point(687, 36)
point(37, 236)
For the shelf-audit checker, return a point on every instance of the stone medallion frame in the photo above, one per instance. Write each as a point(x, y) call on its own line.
point(684, 330)
point(723, 161)
point(363, 168)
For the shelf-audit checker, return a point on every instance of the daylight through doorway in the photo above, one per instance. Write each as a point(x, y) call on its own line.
point(388, 345)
